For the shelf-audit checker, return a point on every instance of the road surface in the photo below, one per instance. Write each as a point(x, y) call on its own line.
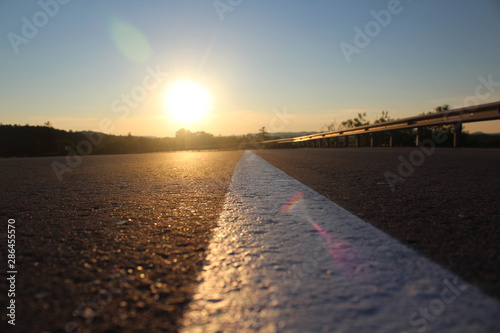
point(116, 245)
point(448, 208)
point(120, 242)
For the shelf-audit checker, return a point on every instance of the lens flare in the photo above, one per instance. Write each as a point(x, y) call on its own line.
point(292, 202)
point(347, 260)
point(129, 40)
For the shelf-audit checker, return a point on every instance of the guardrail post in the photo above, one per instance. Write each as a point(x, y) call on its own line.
point(457, 134)
point(357, 140)
point(391, 139)
point(371, 140)
point(346, 141)
point(418, 138)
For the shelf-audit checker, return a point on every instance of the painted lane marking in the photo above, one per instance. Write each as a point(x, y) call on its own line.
point(285, 258)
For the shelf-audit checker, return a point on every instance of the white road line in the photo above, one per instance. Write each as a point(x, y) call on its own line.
point(315, 267)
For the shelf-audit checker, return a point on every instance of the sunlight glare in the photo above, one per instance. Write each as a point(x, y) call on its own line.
point(187, 102)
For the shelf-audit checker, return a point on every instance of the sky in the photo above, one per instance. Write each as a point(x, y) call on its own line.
point(288, 65)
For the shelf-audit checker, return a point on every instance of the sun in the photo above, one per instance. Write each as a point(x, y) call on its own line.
point(187, 102)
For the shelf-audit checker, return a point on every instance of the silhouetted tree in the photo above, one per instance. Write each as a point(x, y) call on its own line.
point(263, 134)
point(442, 108)
point(360, 120)
point(383, 118)
point(446, 129)
point(333, 126)
point(181, 138)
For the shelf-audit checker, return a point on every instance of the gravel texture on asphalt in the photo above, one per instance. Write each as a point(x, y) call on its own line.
point(447, 208)
point(116, 245)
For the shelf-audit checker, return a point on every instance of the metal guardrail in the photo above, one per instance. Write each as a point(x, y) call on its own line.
point(483, 112)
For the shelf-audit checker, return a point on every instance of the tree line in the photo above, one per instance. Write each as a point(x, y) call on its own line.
point(26, 140)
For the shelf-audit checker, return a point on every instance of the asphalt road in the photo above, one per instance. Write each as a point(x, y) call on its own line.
point(447, 208)
point(116, 245)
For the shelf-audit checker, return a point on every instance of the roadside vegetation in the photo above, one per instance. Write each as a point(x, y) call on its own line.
point(406, 138)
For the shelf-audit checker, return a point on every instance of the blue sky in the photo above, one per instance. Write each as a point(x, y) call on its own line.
point(277, 63)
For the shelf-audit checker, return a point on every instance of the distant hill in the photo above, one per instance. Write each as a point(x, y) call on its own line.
point(291, 134)
point(26, 141)
point(480, 139)
point(482, 133)
point(23, 141)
